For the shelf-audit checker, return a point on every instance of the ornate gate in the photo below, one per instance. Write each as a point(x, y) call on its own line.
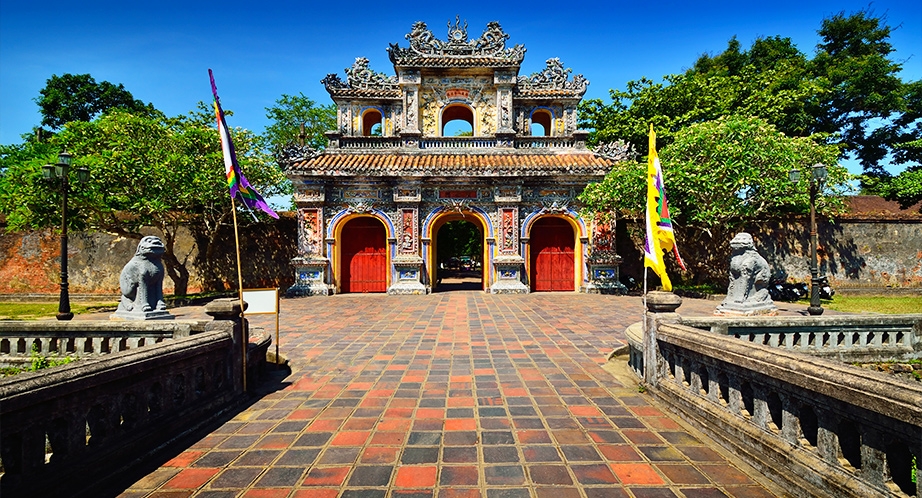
point(364, 260)
point(552, 255)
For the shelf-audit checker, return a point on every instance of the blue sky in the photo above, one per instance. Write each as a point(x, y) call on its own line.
point(161, 51)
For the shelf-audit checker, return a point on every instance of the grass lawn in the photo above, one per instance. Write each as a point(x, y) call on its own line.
point(874, 304)
point(35, 311)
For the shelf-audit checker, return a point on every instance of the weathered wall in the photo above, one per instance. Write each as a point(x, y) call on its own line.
point(30, 262)
point(854, 253)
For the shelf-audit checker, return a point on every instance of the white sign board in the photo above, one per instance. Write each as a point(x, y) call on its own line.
point(261, 301)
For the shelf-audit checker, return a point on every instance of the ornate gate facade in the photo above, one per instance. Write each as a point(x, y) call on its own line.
point(389, 161)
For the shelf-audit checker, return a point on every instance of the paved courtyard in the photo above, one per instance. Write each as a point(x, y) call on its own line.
point(453, 395)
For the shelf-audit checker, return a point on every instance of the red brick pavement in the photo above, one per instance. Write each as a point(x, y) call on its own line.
point(459, 394)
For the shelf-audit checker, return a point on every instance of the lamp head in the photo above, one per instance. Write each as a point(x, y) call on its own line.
point(65, 158)
point(794, 175)
point(819, 172)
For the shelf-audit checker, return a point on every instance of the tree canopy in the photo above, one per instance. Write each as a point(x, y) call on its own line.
point(848, 94)
point(719, 175)
point(287, 116)
point(146, 171)
point(78, 97)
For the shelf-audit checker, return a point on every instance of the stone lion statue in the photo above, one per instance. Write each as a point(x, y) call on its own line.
point(141, 280)
point(747, 293)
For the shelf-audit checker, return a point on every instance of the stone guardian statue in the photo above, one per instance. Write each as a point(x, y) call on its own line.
point(749, 276)
point(141, 284)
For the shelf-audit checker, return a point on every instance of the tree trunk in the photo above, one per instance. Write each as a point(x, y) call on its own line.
point(177, 272)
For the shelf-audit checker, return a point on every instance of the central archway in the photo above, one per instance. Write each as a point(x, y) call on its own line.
point(454, 264)
point(363, 256)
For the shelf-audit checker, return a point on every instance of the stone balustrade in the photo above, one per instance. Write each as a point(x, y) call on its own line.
point(456, 143)
point(65, 430)
point(544, 142)
point(845, 337)
point(82, 339)
point(373, 143)
point(817, 427)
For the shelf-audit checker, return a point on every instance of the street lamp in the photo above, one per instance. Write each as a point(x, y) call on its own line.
point(818, 175)
point(53, 173)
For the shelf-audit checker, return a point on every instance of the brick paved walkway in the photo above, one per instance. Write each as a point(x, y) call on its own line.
point(453, 395)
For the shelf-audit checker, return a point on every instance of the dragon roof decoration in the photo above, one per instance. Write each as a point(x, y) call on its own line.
point(425, 47)
point(553, 79)
point(360, 77)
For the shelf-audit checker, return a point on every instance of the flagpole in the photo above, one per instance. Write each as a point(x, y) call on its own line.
point(245, 339)
point(644, 301)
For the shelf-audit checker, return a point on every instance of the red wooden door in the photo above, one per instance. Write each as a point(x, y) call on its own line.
point(552, 261)
point(364, 258)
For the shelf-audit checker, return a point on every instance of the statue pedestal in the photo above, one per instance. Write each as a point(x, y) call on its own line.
point(407, 270)
point(310, 277)
point(509, 270)
point(746, 309)
point(604, 276)
point(141, 315)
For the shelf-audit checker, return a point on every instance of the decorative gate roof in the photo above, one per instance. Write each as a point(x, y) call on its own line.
point(453, 164)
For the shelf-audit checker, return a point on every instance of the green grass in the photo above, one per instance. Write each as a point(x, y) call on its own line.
point(890, 305)
point(35, 311)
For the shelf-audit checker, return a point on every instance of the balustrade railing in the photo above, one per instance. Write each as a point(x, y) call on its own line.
point(824, 427)
point(454, 143)
point(544, 142)
point(457, 143)
point(848, 337)
point(18, 340)
point(65, 430)
point(374, 143)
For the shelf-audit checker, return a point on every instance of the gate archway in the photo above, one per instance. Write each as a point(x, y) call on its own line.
point(479, 262)
point(552, 254)
point(363, 256)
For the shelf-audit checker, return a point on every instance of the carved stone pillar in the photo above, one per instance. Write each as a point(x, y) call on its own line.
point(407, 273)
point(509, 275)
point(310, 266)
point(505, 130)
point(661, 308)
point(408, 265)
point(409, 81)
point(603, 262)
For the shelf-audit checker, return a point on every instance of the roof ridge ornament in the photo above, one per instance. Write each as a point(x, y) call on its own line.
point(492, 43)
point(291, 153)
point(553, 77)
point(360, 76)
point(617, 151)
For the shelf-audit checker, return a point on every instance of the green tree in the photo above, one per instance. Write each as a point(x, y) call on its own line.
point(849, 91)
point(459, 238)
point(166, 173)
point(78, 97)
point(719, 175)
point(854, 58)
point(287, 116)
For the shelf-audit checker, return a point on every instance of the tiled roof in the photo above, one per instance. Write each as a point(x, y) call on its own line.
point(436, 61)
point(446, 164)
point(377, 93)
point(874, 207)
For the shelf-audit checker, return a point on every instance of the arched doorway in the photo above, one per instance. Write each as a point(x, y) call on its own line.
point(552, 244)
point(363, 266)
point(457, 120)
point(457, 256)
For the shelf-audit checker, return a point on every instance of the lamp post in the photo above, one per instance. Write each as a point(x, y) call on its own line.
point(52, 173)
point(817, 176)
